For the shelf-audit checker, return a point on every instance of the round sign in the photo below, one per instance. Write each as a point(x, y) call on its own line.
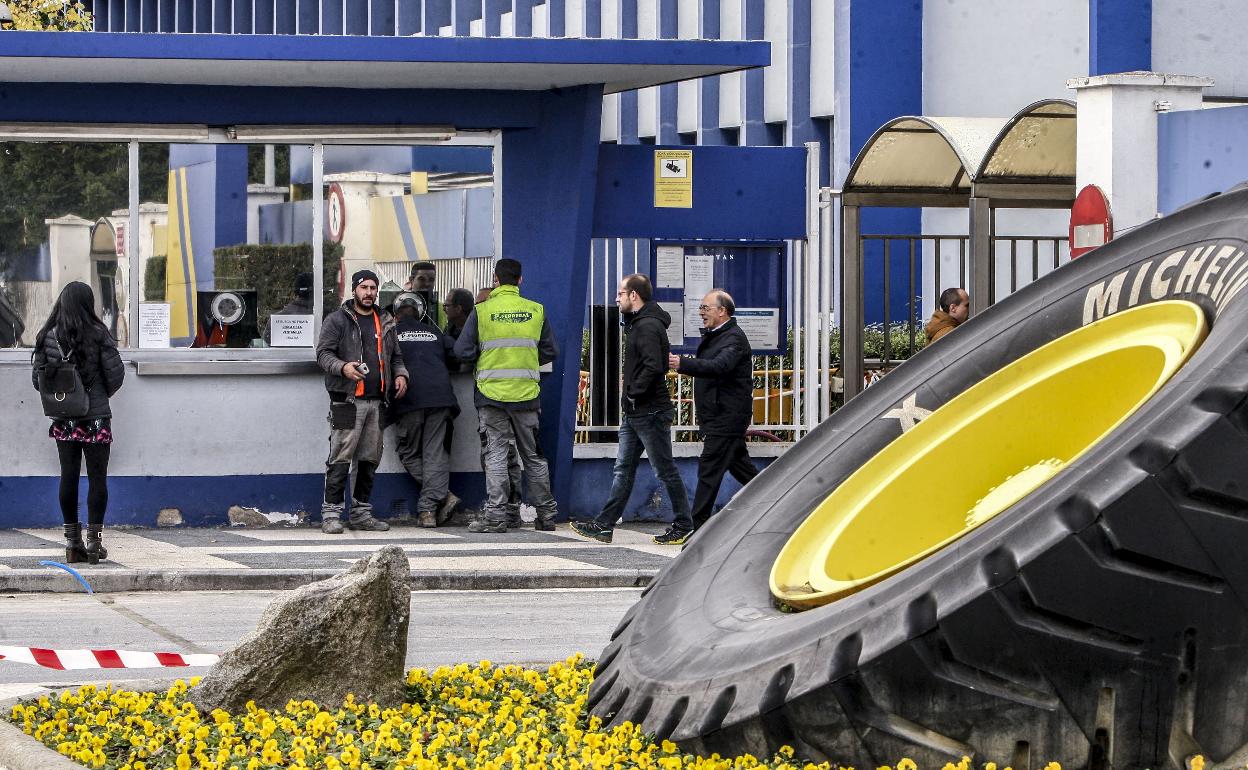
point(337, 214)
point(1090, 222)
point(228, 308)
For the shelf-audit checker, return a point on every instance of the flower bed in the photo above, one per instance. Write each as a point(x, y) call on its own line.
point(456, 718)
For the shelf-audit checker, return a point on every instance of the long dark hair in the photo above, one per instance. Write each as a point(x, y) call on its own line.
point(73, 316)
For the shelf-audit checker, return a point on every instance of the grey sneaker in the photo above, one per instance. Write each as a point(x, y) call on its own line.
point(331, 525)
point(514, 521)
point(447, 507)
point(368, 524)
point(481, 525)
point(428, 519)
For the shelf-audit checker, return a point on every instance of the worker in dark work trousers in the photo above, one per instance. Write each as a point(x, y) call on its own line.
point(359, 352)
point(427, 411)
point(511, 339)
point(723, 393)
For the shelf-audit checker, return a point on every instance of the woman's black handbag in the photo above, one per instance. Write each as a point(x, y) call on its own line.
point(62, 391)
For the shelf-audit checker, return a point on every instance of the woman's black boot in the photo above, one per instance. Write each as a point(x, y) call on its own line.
point(95, 548)
point(75, 549)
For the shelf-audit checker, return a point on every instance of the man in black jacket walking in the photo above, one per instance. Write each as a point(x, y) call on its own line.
point(723, 392)
point(646, 422)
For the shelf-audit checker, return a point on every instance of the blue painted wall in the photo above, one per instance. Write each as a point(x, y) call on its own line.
point(553, 248)
point(1200, 152)
point(885, 82)
point(649, 501)
point(1120, 36)
point(223, 105)
point(755, 193)
point(205, 500)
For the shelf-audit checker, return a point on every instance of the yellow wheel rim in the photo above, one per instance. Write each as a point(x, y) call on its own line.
point(982, 452)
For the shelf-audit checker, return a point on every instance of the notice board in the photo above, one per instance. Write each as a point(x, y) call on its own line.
point(753, 273)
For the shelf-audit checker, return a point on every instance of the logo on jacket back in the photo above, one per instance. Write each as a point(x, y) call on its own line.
point(417, 336)
point(512, 317)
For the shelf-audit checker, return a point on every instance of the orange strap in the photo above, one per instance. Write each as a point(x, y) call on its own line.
point(381, 360)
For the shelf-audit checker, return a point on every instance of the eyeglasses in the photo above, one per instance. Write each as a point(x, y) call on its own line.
point(705, 308)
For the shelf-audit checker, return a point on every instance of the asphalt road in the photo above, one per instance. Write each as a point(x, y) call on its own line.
point(447, 627)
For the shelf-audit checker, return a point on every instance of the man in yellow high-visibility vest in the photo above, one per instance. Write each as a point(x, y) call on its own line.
point(511, 340)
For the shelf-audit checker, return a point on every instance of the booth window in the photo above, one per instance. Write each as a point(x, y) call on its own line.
point(225, 250)
point(229, 231)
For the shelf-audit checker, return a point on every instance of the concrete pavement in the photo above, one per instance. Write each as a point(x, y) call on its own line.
point(282, 557)
point(447, 627)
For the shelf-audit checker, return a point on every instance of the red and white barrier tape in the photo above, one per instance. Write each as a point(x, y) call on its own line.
point(78, 660)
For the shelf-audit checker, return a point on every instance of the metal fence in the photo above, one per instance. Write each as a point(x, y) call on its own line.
point(471, 273)
point(779, 408)
point(928, 264)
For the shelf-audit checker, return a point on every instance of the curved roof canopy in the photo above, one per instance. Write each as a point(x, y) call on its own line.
point(942, 161)
point(362, 61)
point(1037, 143)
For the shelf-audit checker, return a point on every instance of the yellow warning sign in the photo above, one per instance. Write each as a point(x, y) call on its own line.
point(673, 179)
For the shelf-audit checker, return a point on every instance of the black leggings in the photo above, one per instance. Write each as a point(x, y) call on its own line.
point(71, 453)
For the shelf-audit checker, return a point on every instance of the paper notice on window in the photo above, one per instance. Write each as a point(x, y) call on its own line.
point(669, 267)
point(153, 324)
point(676, 331)
point(290, 331)
point(693, 319)
point(761, 325)
point(699, 277)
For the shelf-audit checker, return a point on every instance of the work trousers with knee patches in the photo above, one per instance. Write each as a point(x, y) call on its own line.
point(501, 428)
point(360, 446)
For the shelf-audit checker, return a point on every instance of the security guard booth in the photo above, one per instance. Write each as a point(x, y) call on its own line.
point(202, 430)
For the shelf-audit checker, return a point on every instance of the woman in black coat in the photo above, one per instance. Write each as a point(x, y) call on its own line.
point(75, 335)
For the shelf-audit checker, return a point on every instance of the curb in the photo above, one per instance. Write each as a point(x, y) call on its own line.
point(124, 580)
point(19, 751)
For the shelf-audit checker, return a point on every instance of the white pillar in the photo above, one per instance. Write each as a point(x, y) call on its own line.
point(1116, 145)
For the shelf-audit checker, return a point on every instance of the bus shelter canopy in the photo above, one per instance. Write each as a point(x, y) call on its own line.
point(1026, 160)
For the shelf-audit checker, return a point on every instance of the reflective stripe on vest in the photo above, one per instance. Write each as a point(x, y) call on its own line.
point(507, 374)
point(509, 343)
point(508, 329)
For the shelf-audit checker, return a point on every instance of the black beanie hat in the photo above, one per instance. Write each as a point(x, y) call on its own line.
point(363, 275)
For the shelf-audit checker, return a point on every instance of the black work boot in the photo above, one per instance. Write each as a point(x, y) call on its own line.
point(75, 549)
point(361, 512)
point(95, 550)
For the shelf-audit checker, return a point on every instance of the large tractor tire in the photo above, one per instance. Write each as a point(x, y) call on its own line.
point(1099, 620)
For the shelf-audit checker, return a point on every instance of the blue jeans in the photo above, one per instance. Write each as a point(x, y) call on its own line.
point(651, 431)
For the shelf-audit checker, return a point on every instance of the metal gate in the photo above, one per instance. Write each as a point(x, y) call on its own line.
point(926, 265)
point(780, 387)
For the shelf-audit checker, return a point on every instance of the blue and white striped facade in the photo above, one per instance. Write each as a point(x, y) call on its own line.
point(939, 57)
point(840, 68)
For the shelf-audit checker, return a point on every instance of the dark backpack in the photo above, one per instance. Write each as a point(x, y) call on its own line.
point(61, 388)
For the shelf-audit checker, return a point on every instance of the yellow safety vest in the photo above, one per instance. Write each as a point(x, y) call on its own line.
point(508, 329)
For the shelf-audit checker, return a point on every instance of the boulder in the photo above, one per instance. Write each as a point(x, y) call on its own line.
point(346, 634)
